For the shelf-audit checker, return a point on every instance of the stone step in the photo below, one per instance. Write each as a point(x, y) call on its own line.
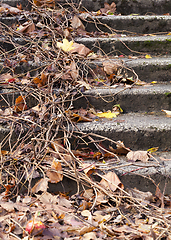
point(125, 24)
point(148, 70)
point(136, 130)
point(152, 98)
point(138, 174)
point(134, 24)
point(153, 45)
point(127, 7)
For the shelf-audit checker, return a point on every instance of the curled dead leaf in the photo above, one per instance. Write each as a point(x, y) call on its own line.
point(41, 185)
point(76, 23)
point(20, 104)
point(138, 156)
point(55, 173)
point(80, 49)
point(111, 181)
point(110, 68)
point(27, 27)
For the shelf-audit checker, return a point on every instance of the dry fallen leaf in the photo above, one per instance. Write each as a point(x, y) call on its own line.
point(66, 46)
point(74, 71)
point(42, 80)
point(108, 9)
point(80, 49)
point(20, 104)
point(89, 236)
point(120, 149)
point(138, 156)
point(76, 23)
point(27, 27)
point(41, 185)
point(148, 56)
point(55, 173)
point(110, 68)
point(107, 114)
point(111, 181)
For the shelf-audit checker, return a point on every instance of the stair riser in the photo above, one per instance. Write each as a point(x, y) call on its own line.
point(133, 100)
point(126, 7)
point(148, 70)
point(127, 46)
point(129, 102)
point(136, 139)
point(132, 24)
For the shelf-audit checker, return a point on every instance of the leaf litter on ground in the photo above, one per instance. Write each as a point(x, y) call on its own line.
point(100, 207)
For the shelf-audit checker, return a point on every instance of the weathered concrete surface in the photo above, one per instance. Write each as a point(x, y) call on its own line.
point(134, 24)
point(154, 69)
point(8, 45)
point(137, 99)
point(154, 45)
point(132, 175)
point(152, 98)
point(138, 174)
point(137, 131)
point(148, 70)
point(8, 97)
point(126, 7)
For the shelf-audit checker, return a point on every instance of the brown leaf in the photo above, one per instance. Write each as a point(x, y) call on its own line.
point(27, 27)
point(74, 71)
point(111, 181)
point(2, 9)
point(76, 23)
point(160, 195)
point(80, 49)
point(120, 150)
point(55, 176)
point(10, 9)
point(89, 236)
point(108, 8)
point(41, 185)
point(88, 168)
point(110, 68)
point(147, 196)
point(88, 193)
point(138, 155)
point(20, 104)
point(49, 3)
point(57, 146)
point(42, 80)
point(7, 78)
point(8, 206)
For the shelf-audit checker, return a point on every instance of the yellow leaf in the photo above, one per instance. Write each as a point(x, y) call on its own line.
point(66, 46)
point(154, 82)
point(148, 56)
point(154, 149)
point(107, 114)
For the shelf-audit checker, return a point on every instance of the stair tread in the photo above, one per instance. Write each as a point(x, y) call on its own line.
point(130, 122)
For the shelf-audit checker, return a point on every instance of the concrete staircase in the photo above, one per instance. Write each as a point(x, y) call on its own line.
point(142, 125)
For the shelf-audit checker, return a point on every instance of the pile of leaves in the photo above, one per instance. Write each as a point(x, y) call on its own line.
point(44, 149)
